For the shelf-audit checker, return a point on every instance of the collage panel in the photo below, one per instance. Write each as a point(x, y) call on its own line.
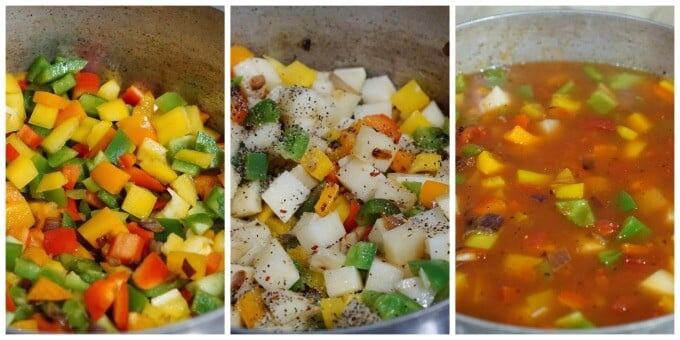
point(340, 170)
point(564, 170)
point(114, 191)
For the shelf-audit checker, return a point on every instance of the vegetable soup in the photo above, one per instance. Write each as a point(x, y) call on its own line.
point(339, 197)
point(564, 188)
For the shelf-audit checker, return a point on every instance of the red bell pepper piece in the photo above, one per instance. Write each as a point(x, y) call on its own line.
point(11, 153)
point(94, 201)
point(102, 293)
point(126, 247)
point(143, 179)
point(22, 84)
point(151, 272)
point(81, 148)
point(350, 222)
point(160, 204)
point(71, 172)
point(146, 235)
point(332, 176)
point(9, 304)
point(29, 136)
point(59, 241)
point(121, 307)
point(127, 160)
point(72, 209)
point(86, 82)
point(132, 95)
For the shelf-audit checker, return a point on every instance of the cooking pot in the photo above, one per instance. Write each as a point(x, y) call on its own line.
point(402, 42)
point(564, 35)
point(161, 48)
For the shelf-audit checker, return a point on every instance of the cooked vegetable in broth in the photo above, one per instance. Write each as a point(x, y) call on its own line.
point(339, 197)
point(564, 188)
point(115, 204)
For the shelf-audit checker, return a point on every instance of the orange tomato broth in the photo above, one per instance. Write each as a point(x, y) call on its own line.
point(512, 281)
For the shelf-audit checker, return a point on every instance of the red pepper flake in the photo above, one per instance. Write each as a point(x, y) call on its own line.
point(267, 278)
point(375, 173)
point(283, 211)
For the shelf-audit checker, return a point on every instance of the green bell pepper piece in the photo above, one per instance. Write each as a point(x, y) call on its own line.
point(610, 257)
point(623, 81)
point(163, 288)
point(180, 143)
point(574, 320)
point(495, 77)
point(41, 131)
point(256, 166)
point(110, 200)
point(18, 295)
point(436, 271)
point(625, 202)
point(361, 255)
point(26, 269)
point(29, 105)
point(84, 209)
point(12, 252)
point(120, 145)
point(170, 100)
point(91, 185)
point(105, 323)
point(525, 92)
point(430, 138)
point(592, 73)
point(293, 143)
point(633, 228)
point(414, 211)
point(63, 84)
point(171, 226)
point(212, 284)
point(89, 102)
point(23, 312)
point(460, 83)
point(373, 209)
point(74, 282)
point(205, 143)
point(198, 223)
point(38, 65)
point(62, 156)
point(393, 305)
point(67, 221)
point(57, 196)
point(601, 102)
point(185, 167)
point(52, 275)
point(136, 299)
point(59, 69)
point(76, 315)
point(43, 167)
point(204, 302)
point(577, 211)
point(565, 88)
point(90, 276)
point(265, 111)
point(215, 201)
point(413, 187)
point(471, 149)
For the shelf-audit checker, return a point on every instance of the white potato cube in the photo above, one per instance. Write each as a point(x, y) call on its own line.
point(263, 137)
point(438, 246)
point(389, 189)
point(375, 148)
point(322, 83)
point(303, 107)
point(444, 202)
point(378, 90)
point(248, 241)
point(403, 177)
point(354, 77)
point(404, 243)
point(434, 115)
point(660, 282)
point(344, 104)
point(414, 288)
point(314, 232)
point(246, 201)
point(274, 269)
point(432, 221)
point(376, 234)
point(360, 178)
point(235, 180)
point(326, 258)
point(342, 281)
point(364, 110)
point(303, 176)
point(286, 306)
point(496, 99)
point(285, 195)
point(252, 67)
point(548, 126)
point(383, 277)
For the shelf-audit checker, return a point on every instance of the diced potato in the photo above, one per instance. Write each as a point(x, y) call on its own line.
point(633, 149)
point(389, 189)
point(569, 191)
point(416, 289)
point(287, 306)
point(626, 132)
point(492, 183)
point(304, 177)
point(532, 178)
point(564, 102)
point(353, 77)
point(360, 178)
point(403, 244)
point(253, 67)
point(638, 122)
point(274, 269)
point(342, 281)
point(520, 136)
point(285, 195)
point(248, 241)
point(660, 282)
point(495, 100)
point(344, 104)
point(438, 246)
point(378, 90)
point(434, 115)
point(314, 232)
point(383, 277)
point(375, 148)
point(326, 258)
point(364, 110)
point(246, 201)
point(481, 240)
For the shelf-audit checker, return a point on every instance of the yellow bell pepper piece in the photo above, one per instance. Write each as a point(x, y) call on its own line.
point(60, 135)
point(172, 304)
point(341, 206)
point(109, 90)
point(46, 290)
point(426, 162)
point(151, 150)
point(633, 149)
point(36, 254)
point(83, 130)
point(533, 110)
point(299, 74)
point(145, 105)
point(18, 213)
point(563, 101)
point(11, 84)
point(21, 171)
point(520, 136)
point(158, 169)
point(251, 307)
point(481, 241)
point(565, 176)
point(82, 253)
point(495, 182)
point(265, 214)
point(532, 178)
point(409, 98)
point(278, 227)
point(20, 146)
point(185, 188)
point(317, 164)
point(139, 201)
point(25, 325)
point(171, 125)
point(173, 243)
point(113, 111)
point(195, 122)
point(413, 122)
point(331, 309)
point(104, 222)
point(201, 159)
point(626, 132)
point(569, 191)
point(97, 133)
point(138, 321)
point(639, 122)
point(51, 181)
point(487, 163)
point(17, 115)
point(218, 242)
point(44, 116)
point(327, 198)
point(198, 262)
point(299, 254)
point(667, 85)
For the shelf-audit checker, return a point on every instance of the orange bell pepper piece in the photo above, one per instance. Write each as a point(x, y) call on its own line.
point(49, 99)
point(251, 307)
point(143, 179)
point(73, 109)
point(11, 153)
point(71, 172)
point(431, 190)
point(151, 272)
point(127, 160)
point(215, 262)
point(384, 124)
point(29, 136)
point(102, 144)
point(46, 290)
point(109, 177)
point(402, 161)
point(137, 127)
point(204, 184)
point(238, 54)
point(59, 241)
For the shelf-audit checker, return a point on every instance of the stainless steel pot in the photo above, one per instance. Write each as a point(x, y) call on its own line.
point(164, 48)
point(565, 36)
point(402, 42)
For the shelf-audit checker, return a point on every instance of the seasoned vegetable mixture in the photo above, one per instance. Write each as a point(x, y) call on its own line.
point(115, 204)
point(339, 197)
point(564, 188)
